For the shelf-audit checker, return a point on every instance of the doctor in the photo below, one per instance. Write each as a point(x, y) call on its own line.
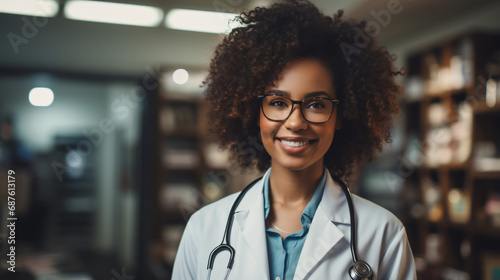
point(285, 96)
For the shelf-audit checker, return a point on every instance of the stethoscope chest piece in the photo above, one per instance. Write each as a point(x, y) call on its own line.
point(361, 271)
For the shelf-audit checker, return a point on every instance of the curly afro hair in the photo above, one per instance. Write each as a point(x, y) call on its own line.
point(251, 57)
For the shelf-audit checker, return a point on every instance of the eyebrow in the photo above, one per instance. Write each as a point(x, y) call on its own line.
point(310, 94)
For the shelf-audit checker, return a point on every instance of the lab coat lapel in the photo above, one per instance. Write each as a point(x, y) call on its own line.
point(323, 234)
point(250, 218)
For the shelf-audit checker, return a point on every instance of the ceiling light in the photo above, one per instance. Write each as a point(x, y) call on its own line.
point(201, 21)
point(39, 8)
point(180, 76)
point(116, 13)
point(41, 96)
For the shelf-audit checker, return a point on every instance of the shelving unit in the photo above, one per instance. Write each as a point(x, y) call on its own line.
point(452, 123)
point(180, 170)
point(190, 169)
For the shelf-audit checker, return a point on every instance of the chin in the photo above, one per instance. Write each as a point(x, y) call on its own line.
point(298, 164)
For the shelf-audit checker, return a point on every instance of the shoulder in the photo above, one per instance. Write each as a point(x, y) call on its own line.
point(382, 239)
point(219, 210)
point(376, 217)
point(213, 212)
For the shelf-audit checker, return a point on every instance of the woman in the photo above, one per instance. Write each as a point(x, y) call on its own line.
point(318, 102)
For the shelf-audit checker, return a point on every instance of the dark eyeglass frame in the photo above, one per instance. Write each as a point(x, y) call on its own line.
point(261, 97)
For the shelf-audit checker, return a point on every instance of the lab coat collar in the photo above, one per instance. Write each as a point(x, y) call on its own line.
point(253, 196)
point(322, 237)
point(334, 202)
point(250, 217)
point(323, 234)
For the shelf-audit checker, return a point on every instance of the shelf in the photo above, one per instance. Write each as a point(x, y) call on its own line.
point(456, 166)
point(467, 228)
point(191, 133)
point(484, 230)
point(444, 93)
point(459, 226)
point(181, 168)
point(166, 101)
point(445, 167)
point(413, 101)
point(486, 174)
point(425, 221)
point(483, 109)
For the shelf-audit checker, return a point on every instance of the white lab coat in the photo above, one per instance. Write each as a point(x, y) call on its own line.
point(382, 240)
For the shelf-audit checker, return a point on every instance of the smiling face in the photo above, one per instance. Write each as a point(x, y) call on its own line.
point(295, 143)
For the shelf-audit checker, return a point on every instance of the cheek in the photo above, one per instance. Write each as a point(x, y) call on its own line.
point(328, 132)
point(268, 130)
point(267, 127)
point(261, 118)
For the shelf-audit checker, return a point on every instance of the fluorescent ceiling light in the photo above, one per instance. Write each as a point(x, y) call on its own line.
point(116, 13)
point(39, 8)
point(201, 21)
point(41, 96)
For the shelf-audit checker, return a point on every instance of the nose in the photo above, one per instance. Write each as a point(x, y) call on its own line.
point(295, 121)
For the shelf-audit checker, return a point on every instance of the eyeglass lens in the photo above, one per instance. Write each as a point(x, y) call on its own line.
point(314, 109)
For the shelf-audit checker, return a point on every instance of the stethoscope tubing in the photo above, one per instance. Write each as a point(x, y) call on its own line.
point(226, 245)
point(352, 216)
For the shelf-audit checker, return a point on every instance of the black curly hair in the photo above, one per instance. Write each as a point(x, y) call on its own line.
point(251, 57)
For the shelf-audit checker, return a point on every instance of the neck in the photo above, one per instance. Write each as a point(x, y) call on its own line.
point(290, 187)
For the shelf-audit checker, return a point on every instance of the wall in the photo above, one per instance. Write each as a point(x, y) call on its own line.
point(483, 18)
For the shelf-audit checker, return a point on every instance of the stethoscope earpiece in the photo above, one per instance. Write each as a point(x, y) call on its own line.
point(360, 271)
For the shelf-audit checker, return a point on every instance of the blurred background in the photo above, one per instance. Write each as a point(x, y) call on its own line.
point(103, 125)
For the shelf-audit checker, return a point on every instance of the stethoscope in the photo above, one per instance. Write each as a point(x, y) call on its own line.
point(360, 270)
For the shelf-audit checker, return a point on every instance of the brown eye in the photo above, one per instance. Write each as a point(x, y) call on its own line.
point(278, 103)
point(315, 104)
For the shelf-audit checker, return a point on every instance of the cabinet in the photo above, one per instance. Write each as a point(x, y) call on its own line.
point(452, 157)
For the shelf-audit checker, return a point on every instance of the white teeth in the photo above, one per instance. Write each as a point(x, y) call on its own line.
point(294, 143)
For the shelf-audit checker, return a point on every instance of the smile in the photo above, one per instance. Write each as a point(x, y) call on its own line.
point(295, 143)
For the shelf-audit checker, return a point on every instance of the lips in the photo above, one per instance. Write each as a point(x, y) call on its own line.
point(295, 142)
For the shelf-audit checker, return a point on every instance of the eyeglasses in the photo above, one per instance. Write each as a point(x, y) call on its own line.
point(314, 109)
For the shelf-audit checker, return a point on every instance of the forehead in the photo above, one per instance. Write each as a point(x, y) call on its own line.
point(304, 76)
